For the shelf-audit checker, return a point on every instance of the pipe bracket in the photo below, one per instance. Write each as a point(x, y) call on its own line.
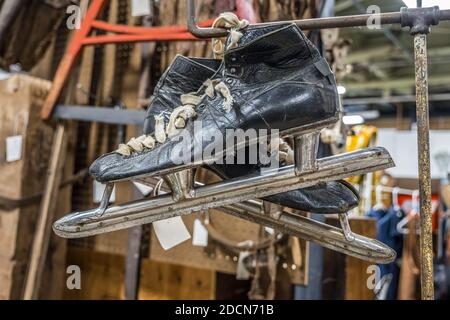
point(420, 19)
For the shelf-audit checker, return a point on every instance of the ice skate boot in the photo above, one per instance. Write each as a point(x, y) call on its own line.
point(329, 197)
point(186, 75)
point(271, 78)
point(274, 79)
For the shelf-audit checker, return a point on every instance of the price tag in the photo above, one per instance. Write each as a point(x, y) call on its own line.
point(13, 148)
point(171, 232)
point(140, 8)
point(98, 189)
point(241, 271)
point(200, 234)
point(143, 188)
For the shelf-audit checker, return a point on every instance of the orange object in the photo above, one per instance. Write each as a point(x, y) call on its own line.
point(125, 34)
point(362, 137)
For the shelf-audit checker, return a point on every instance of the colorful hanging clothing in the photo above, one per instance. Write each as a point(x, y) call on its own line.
point(387, 233)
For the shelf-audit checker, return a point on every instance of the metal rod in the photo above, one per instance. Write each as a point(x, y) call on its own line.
point(398, 190)
point(388, 34)
point(394, 99)
point(305, 24)
point(325, 235)
point(423, 141)
point(224, 193)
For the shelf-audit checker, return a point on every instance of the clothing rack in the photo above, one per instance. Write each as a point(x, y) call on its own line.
point(396, 189)
point(419, 20)
point(395, 192)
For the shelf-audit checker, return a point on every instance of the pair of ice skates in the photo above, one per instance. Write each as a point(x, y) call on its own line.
point(270, 77)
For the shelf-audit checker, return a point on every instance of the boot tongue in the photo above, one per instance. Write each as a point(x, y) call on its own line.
point(192, 68)
point(184, 75)
point(272, 44)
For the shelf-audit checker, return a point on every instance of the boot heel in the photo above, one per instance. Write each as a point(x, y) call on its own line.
point(181, 183)
point(305, 152)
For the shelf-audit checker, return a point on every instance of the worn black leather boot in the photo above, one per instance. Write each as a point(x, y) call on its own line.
point(273, 79)
point(277, 80)
point(180, 78)
point(184, 75)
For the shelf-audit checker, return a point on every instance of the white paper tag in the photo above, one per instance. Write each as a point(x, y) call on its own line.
point(98, 189)
point(171, 232)
point(4, 75)
point(140, 8)
point(143, 188)
point(13, 148)
point(200, 234)
point(241, 271)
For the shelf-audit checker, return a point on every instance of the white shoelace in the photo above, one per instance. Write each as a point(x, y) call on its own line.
point(178, 118)
point(180, 115)
point(231, 22)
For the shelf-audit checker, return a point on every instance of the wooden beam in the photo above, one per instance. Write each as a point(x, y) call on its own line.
point(393, 99)
point(48, 204)
point(402, 83)
point(385, 51)
point(100, 114)
point(133, 263)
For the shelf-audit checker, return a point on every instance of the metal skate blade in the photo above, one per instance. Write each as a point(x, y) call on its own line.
point(325, 235)
point(82, 224)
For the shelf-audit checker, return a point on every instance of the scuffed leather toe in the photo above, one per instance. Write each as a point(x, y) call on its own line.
point(114, 167)
point(325, 198)
point(105, 166)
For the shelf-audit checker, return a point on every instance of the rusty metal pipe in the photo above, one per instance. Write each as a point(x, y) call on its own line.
point(305, 24)
point(423, 143)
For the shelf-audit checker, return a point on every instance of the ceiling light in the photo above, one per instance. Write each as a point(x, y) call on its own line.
point(341, 90)
point(352, 120)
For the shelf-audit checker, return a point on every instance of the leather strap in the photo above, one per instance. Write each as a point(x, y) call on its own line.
point(324, 68)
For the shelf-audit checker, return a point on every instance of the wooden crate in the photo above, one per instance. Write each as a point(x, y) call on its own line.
point(16, 231)
point(103, 276)
point(21, 97)
point(12, 273)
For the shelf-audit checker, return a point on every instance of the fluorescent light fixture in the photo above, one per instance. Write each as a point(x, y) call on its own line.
point(353, 119)
point(4, 75)
point(443, 4)
point(341, 90)
point(369, 114)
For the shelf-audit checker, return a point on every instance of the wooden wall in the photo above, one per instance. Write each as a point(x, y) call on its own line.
point(103, 275)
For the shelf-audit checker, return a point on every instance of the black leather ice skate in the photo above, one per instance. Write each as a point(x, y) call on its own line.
point(329, 197)
point(274, 79)
point(270, 78)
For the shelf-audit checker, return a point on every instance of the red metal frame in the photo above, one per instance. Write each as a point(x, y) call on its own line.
point(81, 38)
